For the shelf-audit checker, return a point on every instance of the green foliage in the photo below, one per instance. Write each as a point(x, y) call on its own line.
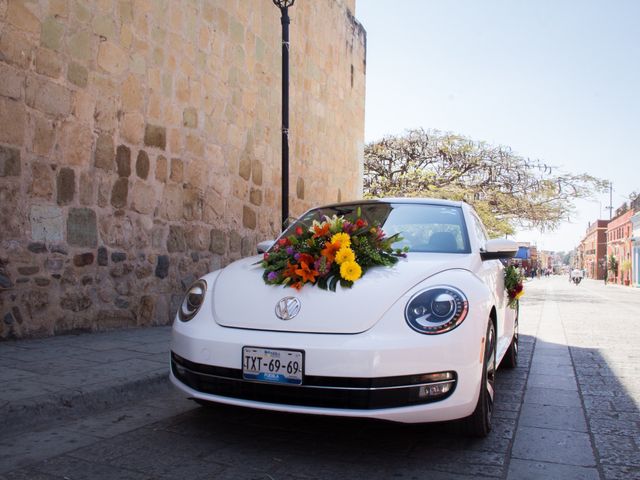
point(613, 265)
point(507, 190)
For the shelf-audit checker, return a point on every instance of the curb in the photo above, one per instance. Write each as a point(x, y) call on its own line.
point(17, 417)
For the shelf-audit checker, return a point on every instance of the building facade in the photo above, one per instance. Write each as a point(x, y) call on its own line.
point(619, 246)
point(635, 250)
point(593, 250)
point(140, 147)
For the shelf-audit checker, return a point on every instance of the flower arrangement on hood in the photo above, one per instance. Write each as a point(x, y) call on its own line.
point(333, 251)
point(513, 284)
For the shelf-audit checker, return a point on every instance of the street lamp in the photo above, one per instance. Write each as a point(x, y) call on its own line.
point(284, 5)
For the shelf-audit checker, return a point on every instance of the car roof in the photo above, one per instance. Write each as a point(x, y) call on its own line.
point(412, 200)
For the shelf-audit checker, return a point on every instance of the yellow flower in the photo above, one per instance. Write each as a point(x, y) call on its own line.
point(345, 254)
point(343, 238)
point(350, 271)
point(519, 294)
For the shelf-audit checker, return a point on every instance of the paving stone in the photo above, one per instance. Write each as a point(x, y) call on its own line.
point(561, 382)
point(553, 416)
point(532, 470)
point(552, 396)
point(556, 446)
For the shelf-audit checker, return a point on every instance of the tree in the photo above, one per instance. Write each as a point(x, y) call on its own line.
point(507, 190)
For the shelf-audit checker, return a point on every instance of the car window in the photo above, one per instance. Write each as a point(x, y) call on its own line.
point(479, 231)
point(424, 227)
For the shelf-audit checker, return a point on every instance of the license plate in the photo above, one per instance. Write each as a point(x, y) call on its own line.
point(272, 365)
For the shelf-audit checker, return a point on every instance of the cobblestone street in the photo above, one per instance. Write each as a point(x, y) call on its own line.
point(569, 411)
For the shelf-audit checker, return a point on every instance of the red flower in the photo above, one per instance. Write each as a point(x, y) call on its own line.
point(284, 242)
point(298, 231)
point(321, 231)
point(265, 256)
point(361, 223)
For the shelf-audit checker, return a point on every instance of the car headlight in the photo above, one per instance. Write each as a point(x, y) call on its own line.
point(436, 310)
point(192, 301)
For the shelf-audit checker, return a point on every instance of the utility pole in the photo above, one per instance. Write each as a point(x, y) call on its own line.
point(610, 207)
point(284, 5)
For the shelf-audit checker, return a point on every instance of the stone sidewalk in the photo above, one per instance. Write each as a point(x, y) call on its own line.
point(47, 380)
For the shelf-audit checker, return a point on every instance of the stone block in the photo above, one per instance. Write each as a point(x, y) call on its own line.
point(37, 247)
point(82, 228)
point(161, 168)
point(255, 197)
point(118, 257)
point(123, 160)
point(65, 186)
point(300, 188)
point(172, 202)
point(104, 153)
point(54, 264)
point(48, 97)
point(244, 168)
point(198, 238)
point(193, 204)
point(12, 81)
point(176, 241)
point(142, 165)
point(75, 301)
point(132, 96)
point(143, 198)
point(235, 241)
point(43, 136)
point(213, 208)
point(111, 58)
point(103, 257)
point(256, 171)
point(80, 46)
point(20, 16)
point(51, 34)
point(176, 170)
point(155, 136)
point(162, 266)
point(249, 219)
point(30, 270)
point(16, 48)
point(77, 74)
point(9, 162)
point(83, 259)
point(13, 121)
point(104, 26)
point(132, 127)
point(47, 224)
point(120, 193)
point(218, 242)
point(106, 112)
point(41, 180)
point(190, 117)
point(76, 142)
point(87, 188)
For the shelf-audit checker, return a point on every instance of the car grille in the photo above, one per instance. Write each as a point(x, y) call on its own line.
point(324, 392)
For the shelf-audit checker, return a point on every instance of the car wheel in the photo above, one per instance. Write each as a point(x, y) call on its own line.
point(479, 423)
point(510, 359)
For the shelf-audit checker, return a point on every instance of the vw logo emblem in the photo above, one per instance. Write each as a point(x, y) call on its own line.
point(287, 308)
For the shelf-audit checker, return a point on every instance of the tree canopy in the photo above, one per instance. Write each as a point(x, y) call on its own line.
point(507, 190)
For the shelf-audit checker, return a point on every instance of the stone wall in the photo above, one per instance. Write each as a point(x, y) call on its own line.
point(140, 147)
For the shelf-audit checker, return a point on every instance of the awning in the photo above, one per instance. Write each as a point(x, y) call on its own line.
point(523, 253)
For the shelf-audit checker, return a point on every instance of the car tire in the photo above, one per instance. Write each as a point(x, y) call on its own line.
point(479, 423)
point(510, 359)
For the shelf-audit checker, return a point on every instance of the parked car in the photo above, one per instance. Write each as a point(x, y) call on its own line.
point(418, 341)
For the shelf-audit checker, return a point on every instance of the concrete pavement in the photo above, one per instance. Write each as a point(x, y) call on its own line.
point(56, 378)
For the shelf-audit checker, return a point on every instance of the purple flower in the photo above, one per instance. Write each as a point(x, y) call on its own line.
point(290, 251)
point(296, 257)
point(272, 276)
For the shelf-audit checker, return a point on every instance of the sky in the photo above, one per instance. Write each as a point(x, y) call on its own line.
point(555, 80)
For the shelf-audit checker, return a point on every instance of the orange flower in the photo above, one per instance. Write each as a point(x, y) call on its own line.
point(290, 271)
point(306, 258)
point(297, 285)
point(329, 251)
point(307, 274)
point(321, 231)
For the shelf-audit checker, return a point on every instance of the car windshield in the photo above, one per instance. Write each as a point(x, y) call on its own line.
point(423, 227)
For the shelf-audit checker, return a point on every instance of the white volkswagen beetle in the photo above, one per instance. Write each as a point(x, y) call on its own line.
point(416, 341)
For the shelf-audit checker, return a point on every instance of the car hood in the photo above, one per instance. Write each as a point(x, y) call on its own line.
point(241, 299)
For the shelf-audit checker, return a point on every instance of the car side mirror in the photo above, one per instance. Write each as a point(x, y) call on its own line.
point(498, 248)
point(264, 246)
